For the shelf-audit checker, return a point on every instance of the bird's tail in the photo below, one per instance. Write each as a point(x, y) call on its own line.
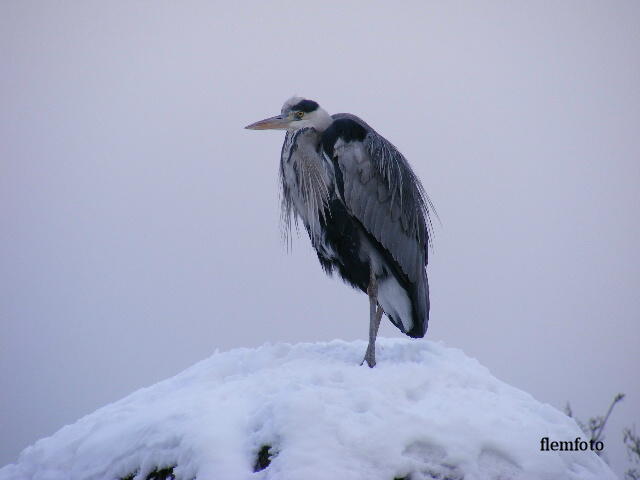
point(419, 296)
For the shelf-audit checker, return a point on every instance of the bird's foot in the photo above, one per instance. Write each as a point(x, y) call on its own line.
point(369, 357)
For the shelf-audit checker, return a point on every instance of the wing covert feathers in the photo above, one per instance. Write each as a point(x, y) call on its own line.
point(381, 191)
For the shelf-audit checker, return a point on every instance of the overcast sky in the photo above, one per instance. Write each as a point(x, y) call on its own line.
point(139, 221)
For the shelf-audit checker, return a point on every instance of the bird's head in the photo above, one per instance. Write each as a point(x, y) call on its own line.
point(296, 113)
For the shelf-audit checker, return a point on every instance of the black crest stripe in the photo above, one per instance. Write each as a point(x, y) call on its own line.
point(306, 106)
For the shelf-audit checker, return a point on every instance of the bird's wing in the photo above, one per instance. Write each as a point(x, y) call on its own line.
point(379, 189)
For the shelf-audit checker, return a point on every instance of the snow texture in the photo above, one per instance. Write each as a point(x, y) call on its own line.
point(425, 411)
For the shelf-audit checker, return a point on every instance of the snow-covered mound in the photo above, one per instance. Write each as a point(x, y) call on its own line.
point(425, 411)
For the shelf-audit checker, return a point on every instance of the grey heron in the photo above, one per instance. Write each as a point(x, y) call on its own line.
point(365, 210)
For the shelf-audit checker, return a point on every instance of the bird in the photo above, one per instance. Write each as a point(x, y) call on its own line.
point(365, 211)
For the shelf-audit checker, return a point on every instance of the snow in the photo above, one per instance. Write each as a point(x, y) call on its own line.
point(425, 410)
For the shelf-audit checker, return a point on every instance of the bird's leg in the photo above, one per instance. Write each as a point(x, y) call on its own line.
point(370, 356)
point(375, 315)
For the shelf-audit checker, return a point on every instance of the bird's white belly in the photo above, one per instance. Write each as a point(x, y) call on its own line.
point(391, 296)
point(395, 301)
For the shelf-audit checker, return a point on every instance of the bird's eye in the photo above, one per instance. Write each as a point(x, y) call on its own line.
point(299, 115)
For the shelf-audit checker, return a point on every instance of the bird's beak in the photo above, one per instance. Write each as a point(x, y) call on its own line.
point(279, 122)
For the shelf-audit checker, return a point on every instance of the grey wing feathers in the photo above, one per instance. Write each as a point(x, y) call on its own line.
point(382, 191)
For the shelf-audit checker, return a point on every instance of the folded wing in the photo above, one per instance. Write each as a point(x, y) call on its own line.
point(381, 191)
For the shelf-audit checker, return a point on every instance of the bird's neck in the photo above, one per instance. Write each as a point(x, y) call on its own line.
point(309, 135)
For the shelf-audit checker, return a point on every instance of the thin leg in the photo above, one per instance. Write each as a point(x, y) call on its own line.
point(375, 315)
point(374, 324)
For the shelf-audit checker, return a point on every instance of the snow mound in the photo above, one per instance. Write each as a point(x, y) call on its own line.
point(310, 412)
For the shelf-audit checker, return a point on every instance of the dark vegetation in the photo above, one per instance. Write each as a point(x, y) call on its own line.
point(263, 459)
point(165, 473)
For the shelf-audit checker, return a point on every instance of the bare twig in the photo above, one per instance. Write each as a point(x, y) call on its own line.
point(594, 428)
point(597, 436)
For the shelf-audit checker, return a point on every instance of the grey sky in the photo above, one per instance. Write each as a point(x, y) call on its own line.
point(139, 221)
